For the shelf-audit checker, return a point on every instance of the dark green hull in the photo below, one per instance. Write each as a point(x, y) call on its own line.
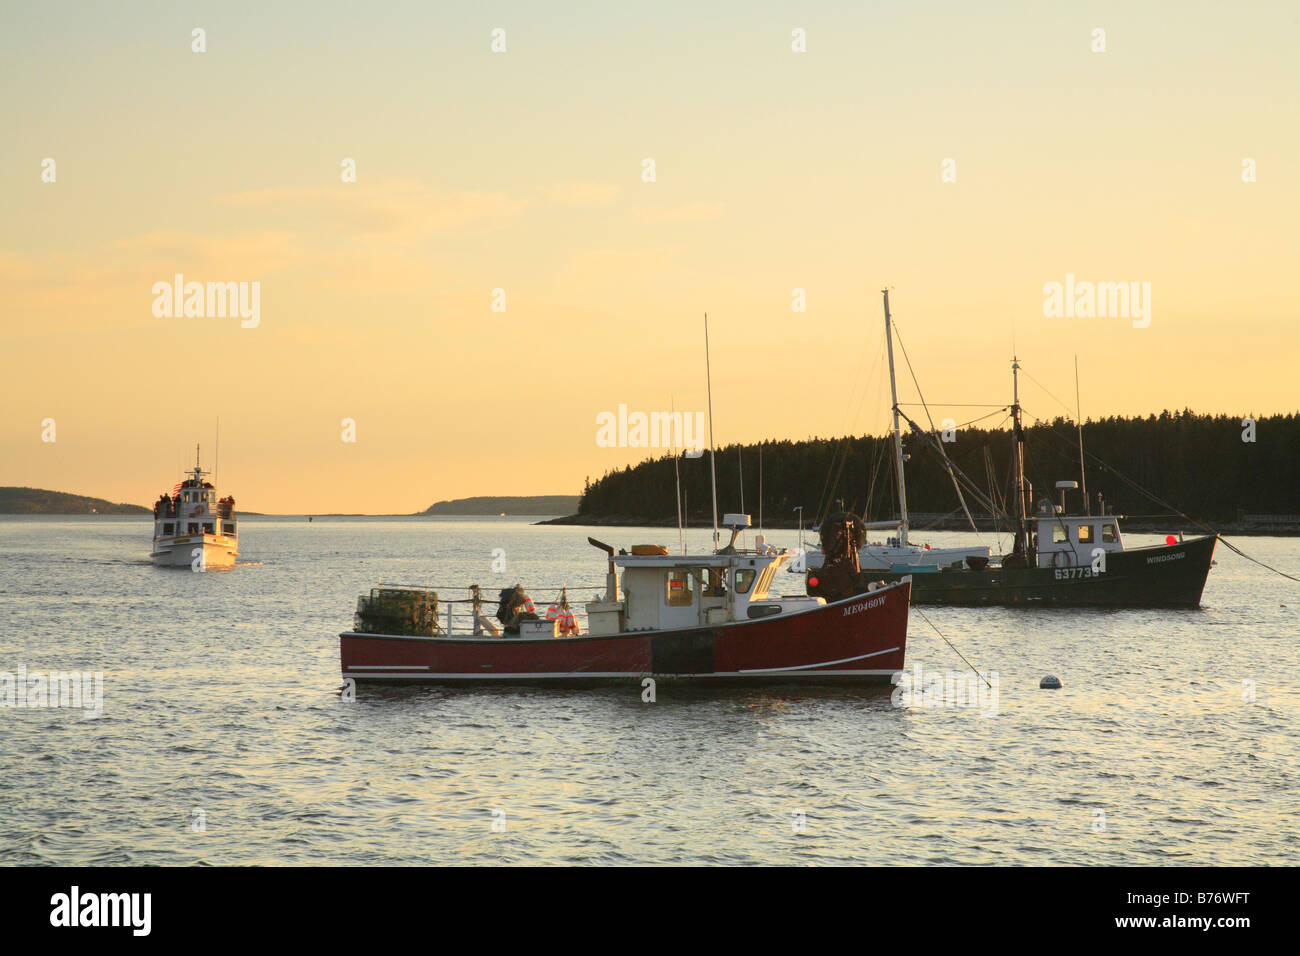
point(1164, 576)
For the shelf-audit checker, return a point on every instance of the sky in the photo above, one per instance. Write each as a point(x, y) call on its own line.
point(503, 270)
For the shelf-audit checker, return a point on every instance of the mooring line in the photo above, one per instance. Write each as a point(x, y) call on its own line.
point(954, 648)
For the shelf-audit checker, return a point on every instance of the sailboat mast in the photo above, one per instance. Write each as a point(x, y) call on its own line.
point(898, 435)
point(713, 461)
point(1023, 513)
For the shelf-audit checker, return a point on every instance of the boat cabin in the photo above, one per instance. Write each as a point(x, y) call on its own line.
point(194, 509)
point(651, 589)
point(1072, 541)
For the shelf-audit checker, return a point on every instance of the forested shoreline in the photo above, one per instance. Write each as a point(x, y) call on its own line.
point(1209, 467)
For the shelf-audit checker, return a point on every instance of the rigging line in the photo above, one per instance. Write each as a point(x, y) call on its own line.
point(1067, 408)
point(990, 476)
point(827, 489)
point(875, 475)
point(866, 388)
point(956, 486)
point(850, 423)
point(918, 610)
point(1004, 408)
point(1164, 504)
point(853, 387)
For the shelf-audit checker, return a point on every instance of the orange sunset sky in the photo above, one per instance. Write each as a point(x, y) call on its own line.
point(522, 170)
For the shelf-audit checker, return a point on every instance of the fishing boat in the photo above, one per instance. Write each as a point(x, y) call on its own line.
point(192, 528)
point(700, 617)
point(1058, 558)
point(705, 618)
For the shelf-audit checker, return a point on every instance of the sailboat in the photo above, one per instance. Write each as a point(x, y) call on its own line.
point(897, 552)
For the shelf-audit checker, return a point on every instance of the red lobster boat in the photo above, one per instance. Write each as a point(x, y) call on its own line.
point(708, 618)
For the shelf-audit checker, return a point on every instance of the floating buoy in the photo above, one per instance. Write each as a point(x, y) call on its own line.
point(1050, 682)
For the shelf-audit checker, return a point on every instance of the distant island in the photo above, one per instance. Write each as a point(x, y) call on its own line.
point(38, 501)
point(510, 505)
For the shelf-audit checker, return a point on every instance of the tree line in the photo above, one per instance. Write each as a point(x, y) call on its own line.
point(1210, 467)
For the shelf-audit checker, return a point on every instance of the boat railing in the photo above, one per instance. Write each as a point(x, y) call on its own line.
point(487, 601)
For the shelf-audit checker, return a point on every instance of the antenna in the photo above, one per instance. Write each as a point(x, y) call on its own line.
point(760, 488)
point(216, 466)
point(713, 458)
point(740, 467)
point(677, 473)
point(1078, 418)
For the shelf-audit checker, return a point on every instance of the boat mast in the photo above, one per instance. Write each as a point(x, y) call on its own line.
point(713, 461)
point(1022, 538)
point(1078, 417)
point(898, 435)
point(677, 494)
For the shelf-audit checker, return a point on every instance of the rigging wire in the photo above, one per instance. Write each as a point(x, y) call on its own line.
point(957, 487)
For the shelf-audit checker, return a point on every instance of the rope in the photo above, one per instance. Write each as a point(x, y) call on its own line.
point(918, 610)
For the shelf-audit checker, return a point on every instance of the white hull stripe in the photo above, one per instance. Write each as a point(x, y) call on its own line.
point(370, 672)
point(801, 667)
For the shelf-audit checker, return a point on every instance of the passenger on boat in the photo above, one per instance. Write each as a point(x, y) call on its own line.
point(515, 606)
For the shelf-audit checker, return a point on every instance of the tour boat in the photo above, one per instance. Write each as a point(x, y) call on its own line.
point(192, 528)
point(703, 617)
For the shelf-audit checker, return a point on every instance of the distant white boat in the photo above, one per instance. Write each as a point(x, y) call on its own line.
point(192, 528)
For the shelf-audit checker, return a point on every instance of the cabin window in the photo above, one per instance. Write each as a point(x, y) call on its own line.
point(679, 589)
point(192, 528)
point(744, 578)
point(208, 527)
point(1059, 534)
point(228, 527)
point(168, 526)
point(765, 580)
point(1084, 534)
point(713, 582)
point(1109, 533)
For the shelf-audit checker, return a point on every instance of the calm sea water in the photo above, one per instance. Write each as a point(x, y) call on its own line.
point(224, 739)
